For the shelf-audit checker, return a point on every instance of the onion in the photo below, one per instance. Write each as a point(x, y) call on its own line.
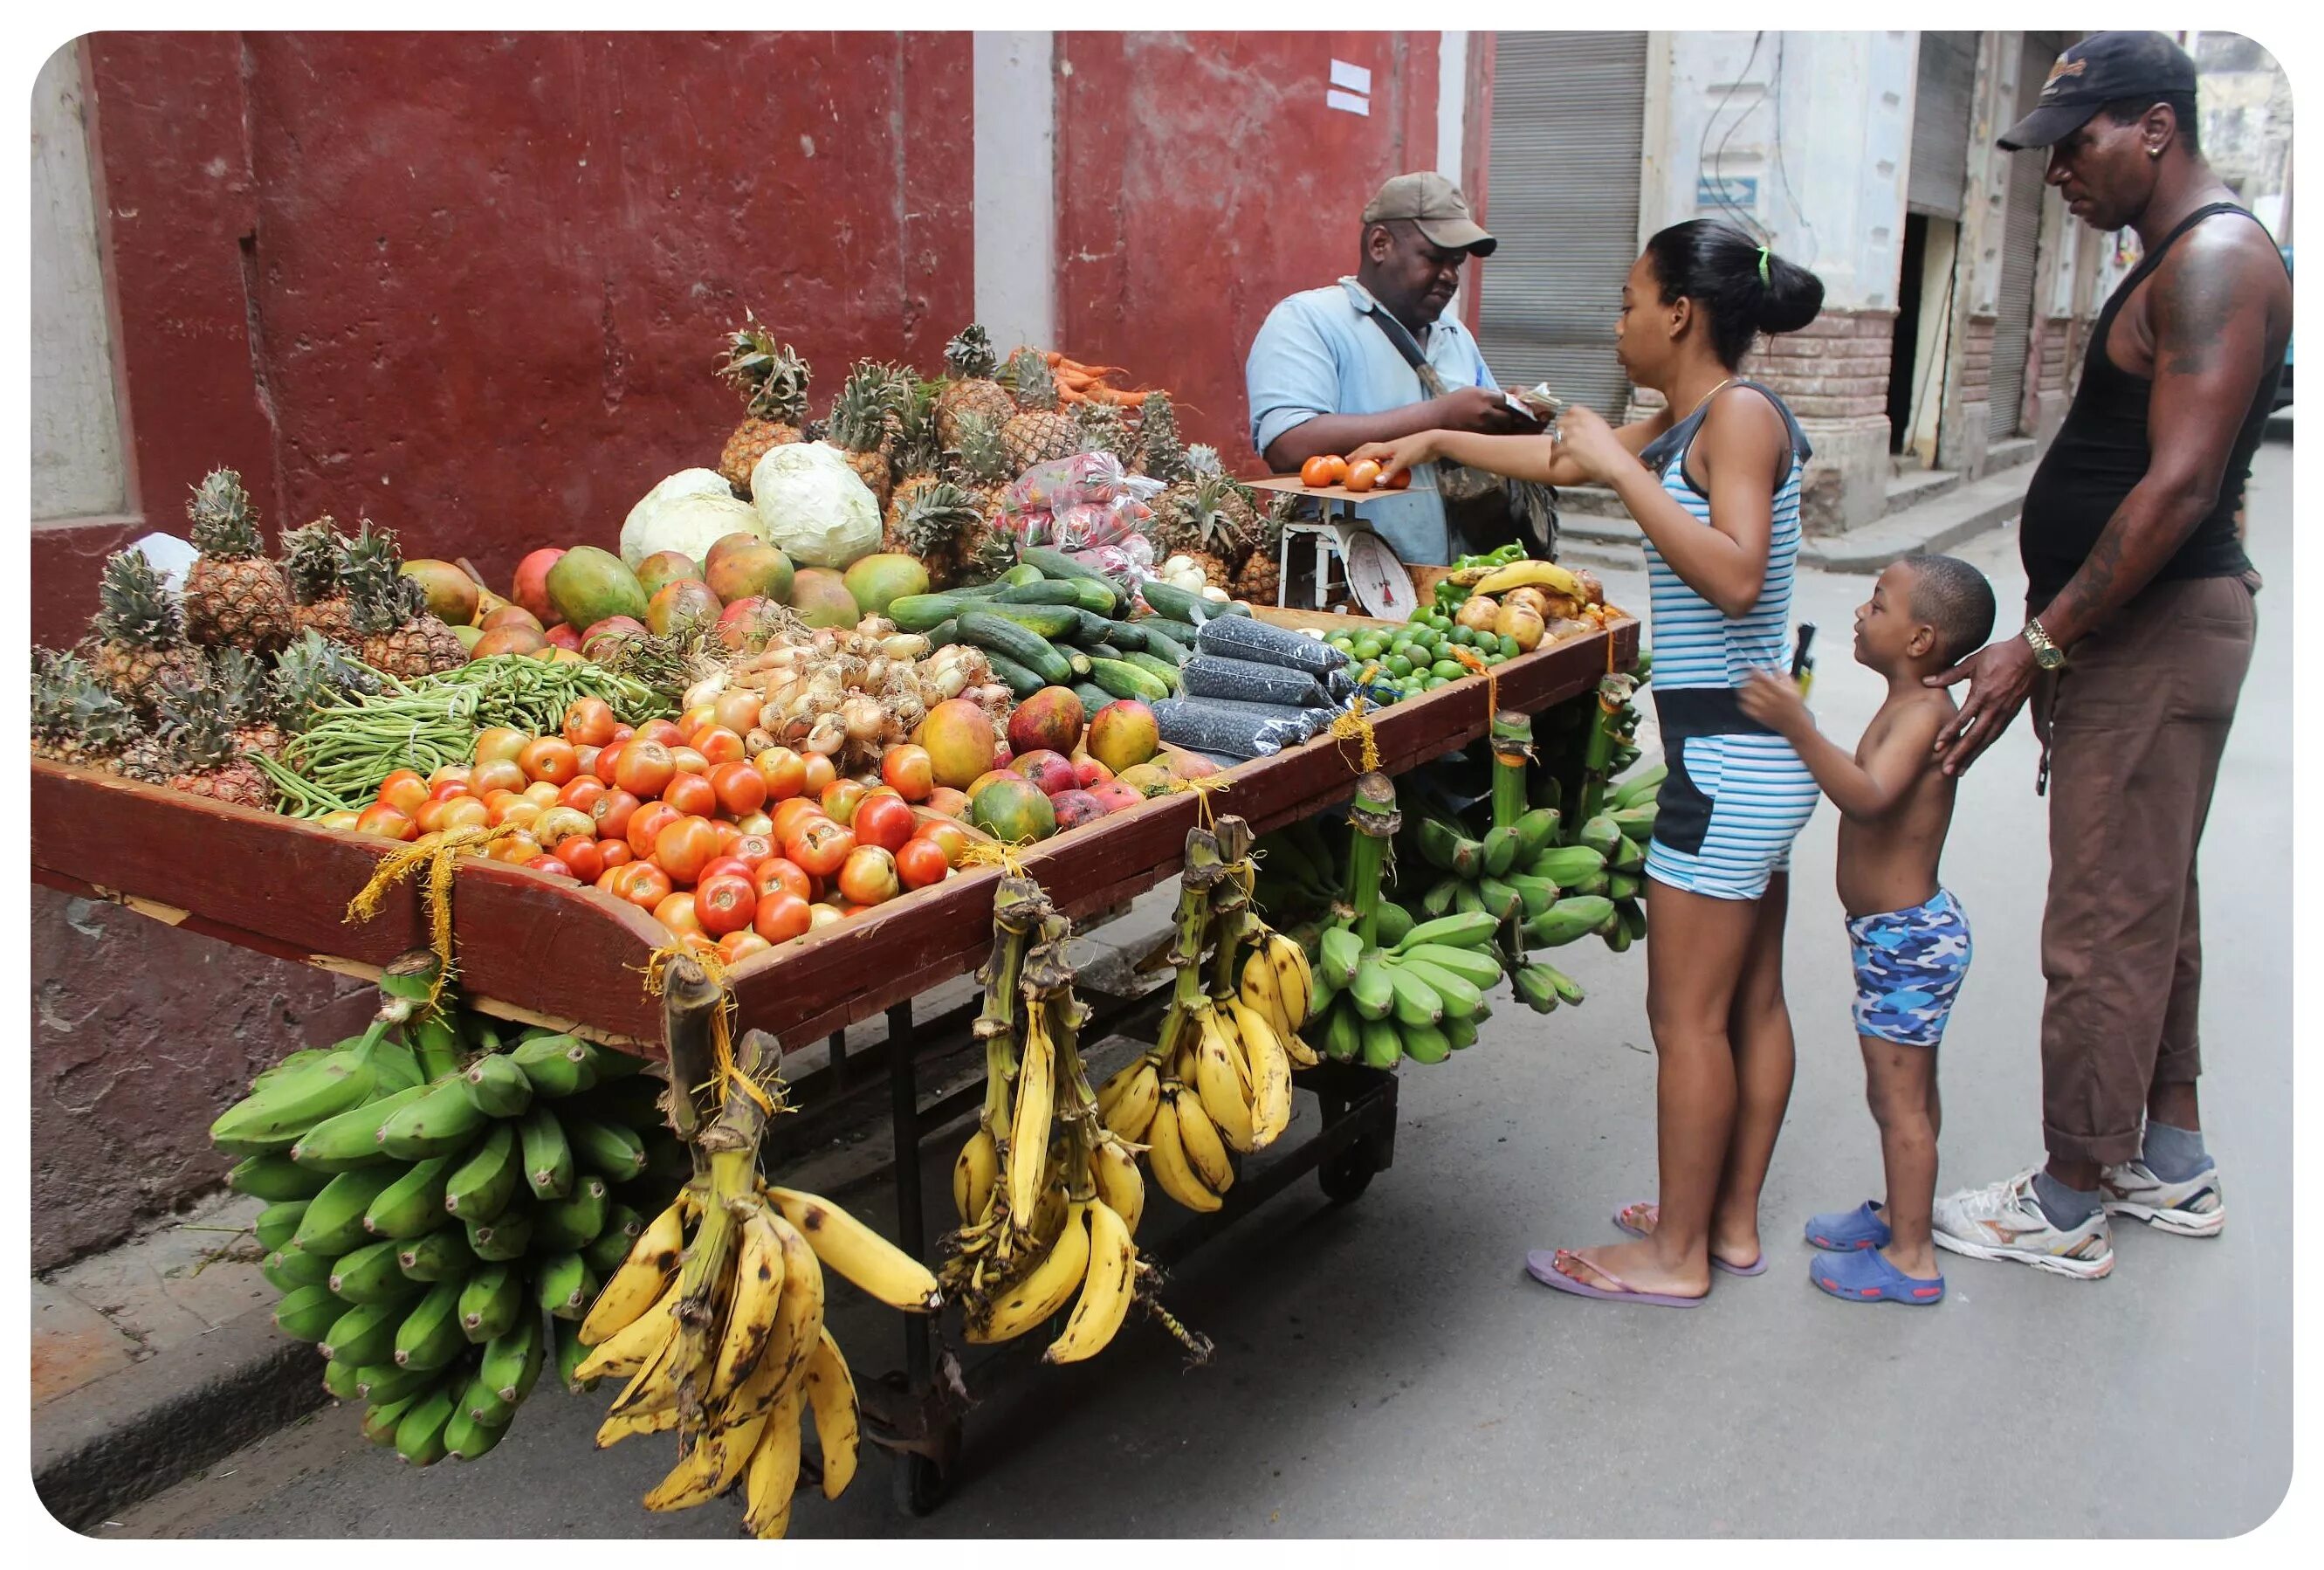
point(704, 691)
point(826, 735)
point(904, 645)
point(864, 716)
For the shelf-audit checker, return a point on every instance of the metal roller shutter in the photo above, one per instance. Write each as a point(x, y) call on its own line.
point(2012, 311)
point(1941, 114)
point(1561, 195)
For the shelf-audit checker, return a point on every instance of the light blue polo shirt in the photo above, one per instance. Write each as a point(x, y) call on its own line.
point(1316, 354)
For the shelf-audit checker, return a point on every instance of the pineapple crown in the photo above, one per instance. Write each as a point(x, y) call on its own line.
point(55, 674)
point(1203, 462)
point(1203, 519)
point(868, 406)
point(939, 515)
point(313, 555)
point(133, 606)
point(1157, 437)
point(194, 726)
point(240, 681)
point(920, 450)
point(982, 455)
point(223, 523)
point(1034, 385)
point(69, 702)
point(969, 355)
point(310, 671)
point(770, 376)
point(383, 598)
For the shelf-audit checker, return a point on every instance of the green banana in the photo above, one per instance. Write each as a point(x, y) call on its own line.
point(1634, 918)
point(339, 1379)
point(308, 1313)
point(498, 1086)
point(1459, 1033)
point(604, 1148)
point(378, 1423)
point(442, 1119)
point(1500, 900)
point(277, 1223)
point(504, 1237)
point(364, 1336)
point(632, 1099)
point(481, 1186)
point(1390, 922)
point(1501, 852)
point(1373, 992)
point(1467, 901)
point(1456, 996)
point(1536, 831)
point(1600, 834)
point(557, 1064)
point(607, 1066)
point(1382, 1046)
point(394, 1068)
point(1439, 898)
point(611, 1246)
point(1469, 931)
point(482, 1404)
point(1618, 938)
point(287, 1269)
point(466, 1436)
point(1477, 966)
point(274, 1178)
point(1342, 1033)
point(1569, 990)
point(369, 1274)
point(569, 1353)
point(1575, 915)
point(1597, 882)
point(566, 1287)
point(419, 1434)
point(385, 1384)
point(512, 1358)
point(492, 1301)
point(547, 1154)
point(1338, 950)
point(440, 1255)
point(1447, 849)
point(573, 1222)
point(333, 1222)
point(273, 1117)
point(1641, 787)
point(413, 1204)
point(1415, 1001)
point(1636, 822)
point(1534, 988)
point(428, 1337)
point(1567, 865)
point(1534, 895)
point(1426, 1043)
point(294, 1061)
point(1629, 856)
point(351, 1140)
point(1621, 886)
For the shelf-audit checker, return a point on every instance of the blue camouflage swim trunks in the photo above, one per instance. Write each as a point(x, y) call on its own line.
point(1909, 963)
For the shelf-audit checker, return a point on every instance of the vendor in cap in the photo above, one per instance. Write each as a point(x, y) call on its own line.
point(1374, 358)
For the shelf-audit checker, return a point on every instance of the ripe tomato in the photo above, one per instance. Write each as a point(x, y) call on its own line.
point(1399, 481)
point(428, 815)
point(612, 813)
point(500, 744)
point(616, 852)
point(622, 733)
point(516, 850)
point(1316, 471)
point(776, 876)
point(790, 814)
point(751, 849)
point(676, 913)
point(608, 757)
point(1339, 470)
point(690, 794)
point(662, 731)
point(725, 902)
point(684, 847)
point(738, 947)
point(403, 790)
point(868, 876)
point(756, 823)
point(908, 769)
point(642, 884)
point(541, 793)
point(784, 771)
point(558, 824)
point(463, 812)
point(820, 772)
point(781, 917)
point(738, 710)
point(391, 822)
point(586, 760)
point(589, 722)
point(885, 821)
point(550, 758)
point(448, 772)
point(921, 862)
point(648, 822)
point(723, 863)
point(580, 853)
point(694, 719)
point(719, 744)
point(819, 847)
point(948, 837)
point(841, 797)
point(549, 864)
point(741, 789)
point(580, 792)
point(516, 809)
point(496, 774)
point(1362, 475)
point(447, 789)
point(727, 835)
point(644, 769)
point(604, 881)
point(952, 803)
point(688, 761)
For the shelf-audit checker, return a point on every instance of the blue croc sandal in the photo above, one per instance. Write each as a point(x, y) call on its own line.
point(1845, 1231)
point(1866, 1276)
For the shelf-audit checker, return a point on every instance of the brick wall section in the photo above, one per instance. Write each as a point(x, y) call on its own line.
point(1976, 355)
point(1835, 368)
point(2056, 336)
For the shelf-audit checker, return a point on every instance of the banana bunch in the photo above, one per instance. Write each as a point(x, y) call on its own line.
point(1049, 1197)
point(716, 1318)
point(1421, 997)
point(437, 1226)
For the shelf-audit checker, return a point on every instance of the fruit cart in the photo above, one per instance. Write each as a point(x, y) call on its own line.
point(542, 949)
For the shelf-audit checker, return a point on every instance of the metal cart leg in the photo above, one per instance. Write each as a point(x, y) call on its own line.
point(1344, 1175)
point(920, 1481)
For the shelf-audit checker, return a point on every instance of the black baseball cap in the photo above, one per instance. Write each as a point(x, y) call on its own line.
point(2103, 69)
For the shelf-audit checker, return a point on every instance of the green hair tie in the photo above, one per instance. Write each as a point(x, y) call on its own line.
point(1765, 281)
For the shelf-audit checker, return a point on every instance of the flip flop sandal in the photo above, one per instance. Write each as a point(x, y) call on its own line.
point(1758, 1267)
point(1866, 1276)
point(1542, 1266)
point(1845, 1231)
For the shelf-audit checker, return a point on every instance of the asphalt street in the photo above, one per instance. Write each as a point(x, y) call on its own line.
point(1386, 1369)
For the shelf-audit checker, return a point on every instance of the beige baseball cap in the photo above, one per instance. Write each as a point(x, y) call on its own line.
point(1434, 205)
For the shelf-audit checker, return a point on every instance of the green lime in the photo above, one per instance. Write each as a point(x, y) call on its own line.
point(1432, 684)
point(1448, 670)
point(1509, 649)
point(1439, 622)
point(1398, 666)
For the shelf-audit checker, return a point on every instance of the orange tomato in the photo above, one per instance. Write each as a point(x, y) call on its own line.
point(609, 757)
point(741, 789)
point(781, 917)
point(694, 719)
point(841, 797)
point(646, 823)
point(885, 821)
point(428, 815)
point(589, 722)
point(920, 863)
point(690, 794)
point(391, 822)
point(738, 947)
point(675, 911)
point(751, 849)
point(688, 761)
point(516, 850)
point(819, 847)
point(581, 856)
point(776, 876)
point(908, 769)
point(719, 744)
point(403, 790)
point(869, 875)
point(612, 812)
point(1362, 475)
point(616, 852)
point(784, 771)
point(621, 734)
point(662, 731)
point(448, 774)
point(724, 903)
point(516, 809)
point(604, 882)
point(644, 769)
point(642, 884)
point(542, 794)
point(820, 772)
point(586, 758)
point(496, 774)
point(1339, 470)
point(581, 792)
point(549, 758)
point(447, 789)
point(948, 837)
point(1399, 481)
point(464, 812)
point(738, 710)
point(1316, 471)
point(790, 814)
point(684, 847)
point(500, 744)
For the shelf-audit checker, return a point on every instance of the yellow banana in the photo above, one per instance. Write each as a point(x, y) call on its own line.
point(639, 1284)
point(628, 1349)
point(1270, 1074)
point(710, 1468)
point(798, 1326)
point(750, 1320)
point(1106, 1291)
point(1041, 1291)
point(1206, 1153)
point(831, 1397)
point(1028, 1126)
point(844, 1243)
point(1294, 978)
point(1296, 1047)
point(1219, 1072)
point(1118, 1181)
point(1049, 1215)
point(613, 1430)
point(973, 1173)
point(1172, 1171)
point(773, 1475)
point(1540, 575)
point(654, 1387)
point(1134, 1102)
point(1261, 989)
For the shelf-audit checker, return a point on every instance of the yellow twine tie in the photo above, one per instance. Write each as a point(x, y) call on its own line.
point(1477, 667)
point(1354, 725)
point(726, 1075)
point(1202, 787)
point(993, 852)
point(437, 852)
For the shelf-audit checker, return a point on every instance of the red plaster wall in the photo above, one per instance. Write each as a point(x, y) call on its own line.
point(1200, 180)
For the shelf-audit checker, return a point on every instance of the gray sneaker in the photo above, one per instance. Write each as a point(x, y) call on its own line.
point(2194, 1208)
point(2004, 1222)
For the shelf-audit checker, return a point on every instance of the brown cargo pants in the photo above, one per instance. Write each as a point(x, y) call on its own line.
point(2134, 726)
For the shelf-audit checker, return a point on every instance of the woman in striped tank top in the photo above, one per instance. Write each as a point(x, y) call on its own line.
point(1713, 480)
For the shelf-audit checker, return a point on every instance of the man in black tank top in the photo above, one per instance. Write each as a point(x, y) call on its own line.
point(2138, 631)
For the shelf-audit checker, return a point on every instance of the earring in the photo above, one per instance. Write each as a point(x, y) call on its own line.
point(2155, 153)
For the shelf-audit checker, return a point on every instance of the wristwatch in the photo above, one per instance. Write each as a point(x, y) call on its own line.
point(2046, 654)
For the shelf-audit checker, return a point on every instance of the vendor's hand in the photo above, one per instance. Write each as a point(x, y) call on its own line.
point(1396, 457)
point(1483, 410)
point(1774, 701)
point(1585, 439)
point(1999, 676)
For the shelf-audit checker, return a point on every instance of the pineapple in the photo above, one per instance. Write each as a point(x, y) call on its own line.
point(145, 759)
point(1260, 579)
point(918, 455)
point(235, 596)
point(980, 462)
point(246, 699)
point(1102, 430)
point(398, 636)
point(1195, 525)
point(1037, 433)
point(204, 757)
point(861, 419)
point(138, 631)
point(772, 380)
point(1163, 457)
point(309, 674)
point(76, 719)
point(940, 527)
point(972, 391)
point(312, 557)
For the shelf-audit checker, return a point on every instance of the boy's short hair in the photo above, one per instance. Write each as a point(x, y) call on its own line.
point(1953, 597)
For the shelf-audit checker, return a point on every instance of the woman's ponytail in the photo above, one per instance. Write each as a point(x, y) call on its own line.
point(1741, 287)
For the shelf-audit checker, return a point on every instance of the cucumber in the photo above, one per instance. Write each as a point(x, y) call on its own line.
point(1149, 637)
point(1020, 682)
point(1023, 572)
point(945, 632)
point(1180, 632)
point(1177, 605)
point(1102, 651)
point(1004, 635)
point(1123, 680)
point(1094, 629)
point(1056, 564)
point(1050, 623)
point(1161, 670)
point(1093, 696)
point(1044, 593)
point(1078, 661)
point(919, 613)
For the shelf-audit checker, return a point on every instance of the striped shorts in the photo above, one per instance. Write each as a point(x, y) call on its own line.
point(1727, 814)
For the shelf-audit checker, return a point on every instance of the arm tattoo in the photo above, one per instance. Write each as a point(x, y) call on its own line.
point(2199, 301)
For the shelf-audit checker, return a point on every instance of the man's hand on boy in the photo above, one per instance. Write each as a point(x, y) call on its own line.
point(2000, 677)
point(1774, 701)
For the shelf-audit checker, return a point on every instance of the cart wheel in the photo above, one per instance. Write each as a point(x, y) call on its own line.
point(1348, 1174)
point(920, 1484)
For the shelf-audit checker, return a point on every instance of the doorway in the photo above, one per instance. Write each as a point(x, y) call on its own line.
point(1904, 354)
